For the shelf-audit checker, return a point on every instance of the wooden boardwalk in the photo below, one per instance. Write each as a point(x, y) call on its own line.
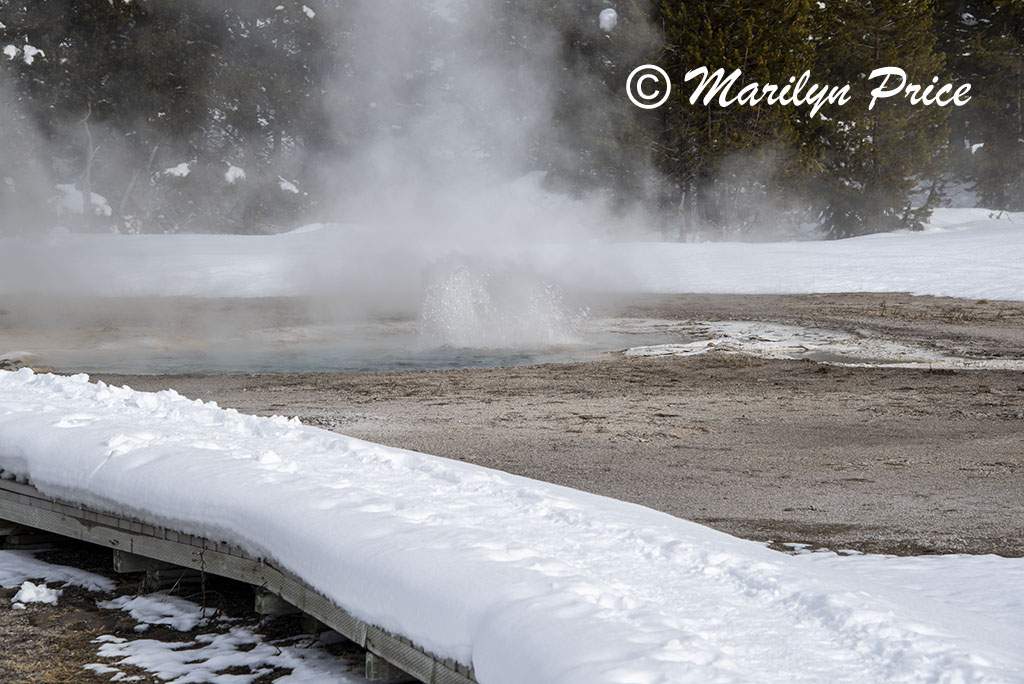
point(25, 505)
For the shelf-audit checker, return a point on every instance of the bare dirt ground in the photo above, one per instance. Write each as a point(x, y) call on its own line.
point(875, 459)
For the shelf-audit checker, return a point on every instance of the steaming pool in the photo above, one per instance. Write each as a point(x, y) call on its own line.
point(174, 336)
point(393, 350)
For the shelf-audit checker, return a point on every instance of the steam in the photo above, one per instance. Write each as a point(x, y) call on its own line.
point(441, 119)
point(437, 209)
point(444, 118)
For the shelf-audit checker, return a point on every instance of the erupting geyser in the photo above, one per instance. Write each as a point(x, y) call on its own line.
point(475, 310)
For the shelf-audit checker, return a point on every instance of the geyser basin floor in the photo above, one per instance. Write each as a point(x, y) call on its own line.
point(272, 335)
point(877, 459)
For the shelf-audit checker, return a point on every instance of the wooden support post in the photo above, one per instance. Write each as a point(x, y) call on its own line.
point(130, 562)
point(159, 575)
point(269, 603)
point(174, 576)
point(380, 670)
point(311, 625)
point(8, 528)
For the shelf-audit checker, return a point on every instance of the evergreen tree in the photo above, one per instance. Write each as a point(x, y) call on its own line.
point(728, 162)
point(122, 91)
point(960, 25)
point(872, 160)
point(997, 122)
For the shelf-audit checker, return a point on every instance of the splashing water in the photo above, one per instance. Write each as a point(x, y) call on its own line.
point(480, 311)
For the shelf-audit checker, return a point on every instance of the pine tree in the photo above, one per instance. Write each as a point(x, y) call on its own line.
point(959, 26)
point(997, 130)
point(874, 159)
point(728, 161)
point(125, 90)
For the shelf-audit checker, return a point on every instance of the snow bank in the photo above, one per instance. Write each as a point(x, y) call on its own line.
point(971, 253)
point(965, 253)
point(526, 581)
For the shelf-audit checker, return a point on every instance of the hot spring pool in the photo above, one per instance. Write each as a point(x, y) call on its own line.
point(173, 338)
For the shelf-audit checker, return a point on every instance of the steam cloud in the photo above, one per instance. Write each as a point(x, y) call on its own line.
point(441, 119)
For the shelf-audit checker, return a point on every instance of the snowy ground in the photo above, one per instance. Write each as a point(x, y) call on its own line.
point(971, 253)
point(776, 341)
point(964, 253)
point(526, 581)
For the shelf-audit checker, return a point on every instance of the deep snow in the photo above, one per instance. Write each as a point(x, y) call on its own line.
point(524, 580)
point(971, 253)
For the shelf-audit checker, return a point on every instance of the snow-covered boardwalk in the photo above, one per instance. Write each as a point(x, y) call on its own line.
point(24, 504)
point(500, 578)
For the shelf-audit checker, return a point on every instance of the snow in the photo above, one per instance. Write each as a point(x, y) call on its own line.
point(70, 201)
point(29, 53)
point(160, 608)
point(608, 19)
point(526, 581)
point(308, 12)
point(209, 657)
point(234, 174)
point(18, 566)
point(198, 659)
point(180, 171)
point(836, 347)
point(33, 593)
point(971, 253)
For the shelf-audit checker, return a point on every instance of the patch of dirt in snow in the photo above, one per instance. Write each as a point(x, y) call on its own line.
point(46, 644)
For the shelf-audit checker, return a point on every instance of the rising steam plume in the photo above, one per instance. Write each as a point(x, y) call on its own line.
point(436, 199)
